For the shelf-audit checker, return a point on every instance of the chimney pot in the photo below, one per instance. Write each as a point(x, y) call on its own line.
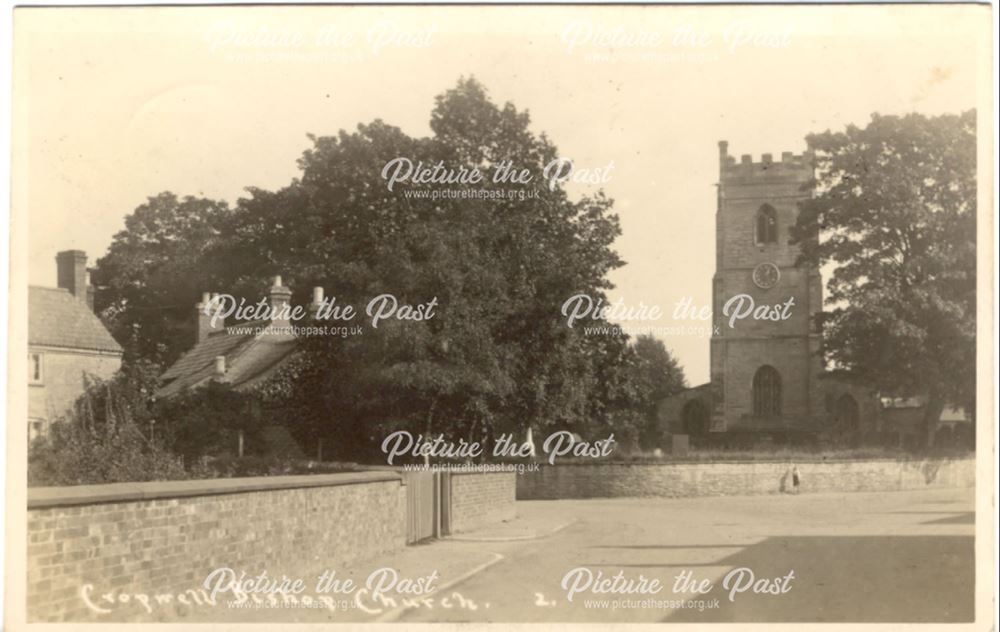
point(90, 292)
point(203, 321)
point(280, 297)
point(317, 301)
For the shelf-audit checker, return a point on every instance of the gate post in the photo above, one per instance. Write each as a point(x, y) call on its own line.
point(443, 502)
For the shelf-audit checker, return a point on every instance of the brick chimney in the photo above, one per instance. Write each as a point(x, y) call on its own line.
point(317, 301)
point(203, 321)
point(281, 296)
point(71, 273)
point(219, 368)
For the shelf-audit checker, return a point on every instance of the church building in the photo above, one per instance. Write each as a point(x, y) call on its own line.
point(766, 373)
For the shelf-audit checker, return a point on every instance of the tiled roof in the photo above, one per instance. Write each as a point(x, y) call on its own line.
point(249, 359)
point(56, 318)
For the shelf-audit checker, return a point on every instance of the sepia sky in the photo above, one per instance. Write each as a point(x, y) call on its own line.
point(115, 105)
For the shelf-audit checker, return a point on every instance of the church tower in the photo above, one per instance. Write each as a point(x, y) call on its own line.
point(764, 362)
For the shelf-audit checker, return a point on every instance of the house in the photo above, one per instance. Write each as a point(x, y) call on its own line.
point(67, 343)
point(243, 356)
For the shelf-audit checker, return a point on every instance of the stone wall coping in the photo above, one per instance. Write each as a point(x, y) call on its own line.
point(805, 461)
point(438, 470)
point(466, 472)
point(41, 497)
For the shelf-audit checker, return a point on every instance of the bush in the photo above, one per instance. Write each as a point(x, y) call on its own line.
point(108, 438)
point(230, 466)
point(206, 422)
point(77, 454)
point(118, 433)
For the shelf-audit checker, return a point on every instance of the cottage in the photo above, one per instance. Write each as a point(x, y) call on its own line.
point(67, 343)
point(243, 356)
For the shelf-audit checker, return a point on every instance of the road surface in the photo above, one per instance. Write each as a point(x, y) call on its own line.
point(861, 557)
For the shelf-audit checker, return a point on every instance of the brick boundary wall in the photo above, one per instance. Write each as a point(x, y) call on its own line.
point(164, 538)
point(678, 480)
point(481, 498)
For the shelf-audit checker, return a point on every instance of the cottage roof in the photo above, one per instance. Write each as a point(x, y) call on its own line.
point(250, 357)
point(56, 318)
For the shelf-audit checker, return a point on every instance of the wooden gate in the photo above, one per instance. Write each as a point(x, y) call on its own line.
point(421, 506)
point(444, 503)
point(428, 505)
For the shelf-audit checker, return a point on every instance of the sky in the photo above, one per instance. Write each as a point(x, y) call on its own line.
point(115, 105)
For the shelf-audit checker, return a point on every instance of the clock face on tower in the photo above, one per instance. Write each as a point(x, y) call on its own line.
point(765, 275)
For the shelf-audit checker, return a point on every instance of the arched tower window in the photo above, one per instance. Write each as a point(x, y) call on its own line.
point(766, 392)
point(766, 227)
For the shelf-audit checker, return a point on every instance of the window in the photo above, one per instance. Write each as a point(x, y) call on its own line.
point(36, 368)
point(36, 428)
point(766, 230)
point(766, 392)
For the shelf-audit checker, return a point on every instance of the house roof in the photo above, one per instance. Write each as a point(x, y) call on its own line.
point(250, 358)
point(56, 318)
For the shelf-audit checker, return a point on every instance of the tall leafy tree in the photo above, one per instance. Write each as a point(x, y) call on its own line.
point(657, 375)
point(895, 213)
point(545, 249)
point(496, 356)
point(154, 271)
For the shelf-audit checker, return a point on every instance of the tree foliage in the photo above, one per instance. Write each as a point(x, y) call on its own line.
point(108, 437)
point(657, 375)
point(153, 272)
point(895, 213)
point(496, 357)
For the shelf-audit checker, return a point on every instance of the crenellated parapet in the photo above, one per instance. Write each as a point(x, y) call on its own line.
point(790, 166)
